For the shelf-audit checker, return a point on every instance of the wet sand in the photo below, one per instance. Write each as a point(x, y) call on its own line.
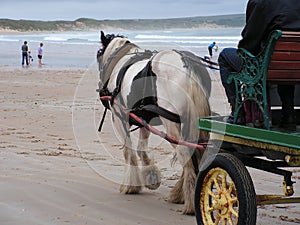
point(57, 169)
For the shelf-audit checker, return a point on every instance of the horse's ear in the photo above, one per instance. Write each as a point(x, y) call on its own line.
point(103, 38)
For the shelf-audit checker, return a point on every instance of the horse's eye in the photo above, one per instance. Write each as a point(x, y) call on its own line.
point(99, 52)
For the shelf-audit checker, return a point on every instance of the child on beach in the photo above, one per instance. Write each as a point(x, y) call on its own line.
point(40, 54)
point(30, 59)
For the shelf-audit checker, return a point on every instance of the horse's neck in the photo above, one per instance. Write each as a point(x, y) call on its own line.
point(116, 57)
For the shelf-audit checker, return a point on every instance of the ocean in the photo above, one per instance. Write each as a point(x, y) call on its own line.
point(78, 49)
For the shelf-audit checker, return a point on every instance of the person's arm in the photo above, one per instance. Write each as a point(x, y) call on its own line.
point(255, 28)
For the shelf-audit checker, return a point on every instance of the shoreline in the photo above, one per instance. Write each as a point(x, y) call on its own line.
point(78, 49)
point(201, 27)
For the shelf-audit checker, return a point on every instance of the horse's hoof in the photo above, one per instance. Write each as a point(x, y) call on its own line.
point(153, 186)
point(188, 211)
point(151, 177)
point(126, 189)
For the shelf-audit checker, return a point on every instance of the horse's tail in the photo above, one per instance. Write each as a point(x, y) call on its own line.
point(198, 92)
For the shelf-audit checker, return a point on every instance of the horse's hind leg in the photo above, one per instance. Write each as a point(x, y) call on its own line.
point(132, 182)
point(183, 191)
point(189, 181)
point(150, 172)
point(176, 194)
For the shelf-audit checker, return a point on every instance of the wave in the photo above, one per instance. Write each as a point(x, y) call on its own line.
point(187, 41)
point(9, 39)
point(78, 40)
point(143, 36)
point(183, 38)
point(53, 38)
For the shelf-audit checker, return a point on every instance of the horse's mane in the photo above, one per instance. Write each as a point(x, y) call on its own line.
point(114, 58)
point(110, 37)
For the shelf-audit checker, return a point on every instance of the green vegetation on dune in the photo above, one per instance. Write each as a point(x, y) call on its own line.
point(236, 20)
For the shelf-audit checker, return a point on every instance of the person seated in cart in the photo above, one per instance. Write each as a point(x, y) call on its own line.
point(262, 17)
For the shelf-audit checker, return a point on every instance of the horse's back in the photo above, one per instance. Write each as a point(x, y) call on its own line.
point(182, 65)
point(183, 83)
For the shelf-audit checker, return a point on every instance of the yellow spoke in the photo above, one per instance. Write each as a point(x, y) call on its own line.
point(217, 219)
point(233, 200)
point(230, 221)
point(210, 209)
point(224, 183)
point(235, 213)
point(212, 194)
point(217, 185)
point(223, 221)
point(231, 188)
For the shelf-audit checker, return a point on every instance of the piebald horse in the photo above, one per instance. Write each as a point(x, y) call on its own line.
point(169, 88)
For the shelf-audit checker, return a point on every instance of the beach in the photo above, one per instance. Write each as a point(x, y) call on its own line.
point(56, 168)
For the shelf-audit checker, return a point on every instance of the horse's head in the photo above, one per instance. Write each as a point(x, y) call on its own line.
point(109, 43)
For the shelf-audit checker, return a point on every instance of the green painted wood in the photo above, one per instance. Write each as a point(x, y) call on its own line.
point(216, 125)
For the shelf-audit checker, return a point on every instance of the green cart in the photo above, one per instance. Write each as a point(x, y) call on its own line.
point(224, 190)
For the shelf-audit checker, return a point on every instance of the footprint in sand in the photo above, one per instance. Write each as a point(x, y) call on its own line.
point(27, 137)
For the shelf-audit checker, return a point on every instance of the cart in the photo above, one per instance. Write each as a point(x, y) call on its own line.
point(224, 191)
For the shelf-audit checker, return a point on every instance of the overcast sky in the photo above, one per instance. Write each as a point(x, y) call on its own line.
point(116, 9)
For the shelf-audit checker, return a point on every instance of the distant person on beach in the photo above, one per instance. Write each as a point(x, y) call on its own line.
point(40, 54)
point(262, 17)
point(211, 47)
point(30, 59)
point(207, 58)
point(24, 49)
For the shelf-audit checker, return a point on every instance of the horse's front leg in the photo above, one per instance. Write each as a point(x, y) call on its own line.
point(132, 182)
point(150, 172)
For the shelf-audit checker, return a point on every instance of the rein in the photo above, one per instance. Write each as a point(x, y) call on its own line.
point(210, 63)
point(143, 123)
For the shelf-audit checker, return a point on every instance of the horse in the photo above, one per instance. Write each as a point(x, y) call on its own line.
point(169, 88)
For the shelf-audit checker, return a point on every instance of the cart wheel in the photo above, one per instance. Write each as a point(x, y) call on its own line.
point(225, 193)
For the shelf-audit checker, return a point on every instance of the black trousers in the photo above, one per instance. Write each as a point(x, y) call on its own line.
point(286, 94)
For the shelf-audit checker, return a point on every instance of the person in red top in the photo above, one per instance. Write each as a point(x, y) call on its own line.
point(262, 17)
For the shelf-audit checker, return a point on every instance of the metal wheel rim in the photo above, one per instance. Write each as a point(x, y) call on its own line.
point(219, 201)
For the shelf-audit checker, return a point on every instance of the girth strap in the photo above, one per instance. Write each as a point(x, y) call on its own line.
point(162, 112)
point(139, 56)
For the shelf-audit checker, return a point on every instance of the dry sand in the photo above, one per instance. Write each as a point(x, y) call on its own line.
point(56, 169)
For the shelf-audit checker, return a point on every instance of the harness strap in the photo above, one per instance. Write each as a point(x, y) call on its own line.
point(102, 120)
point(162, 112)
point(139, 56)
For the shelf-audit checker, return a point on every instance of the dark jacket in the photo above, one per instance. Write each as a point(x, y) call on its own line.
point(263, 16)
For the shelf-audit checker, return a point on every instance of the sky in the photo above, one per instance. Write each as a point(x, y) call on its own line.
point(116, 9)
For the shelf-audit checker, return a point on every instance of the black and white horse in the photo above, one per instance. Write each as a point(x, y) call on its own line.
point(169, 87)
